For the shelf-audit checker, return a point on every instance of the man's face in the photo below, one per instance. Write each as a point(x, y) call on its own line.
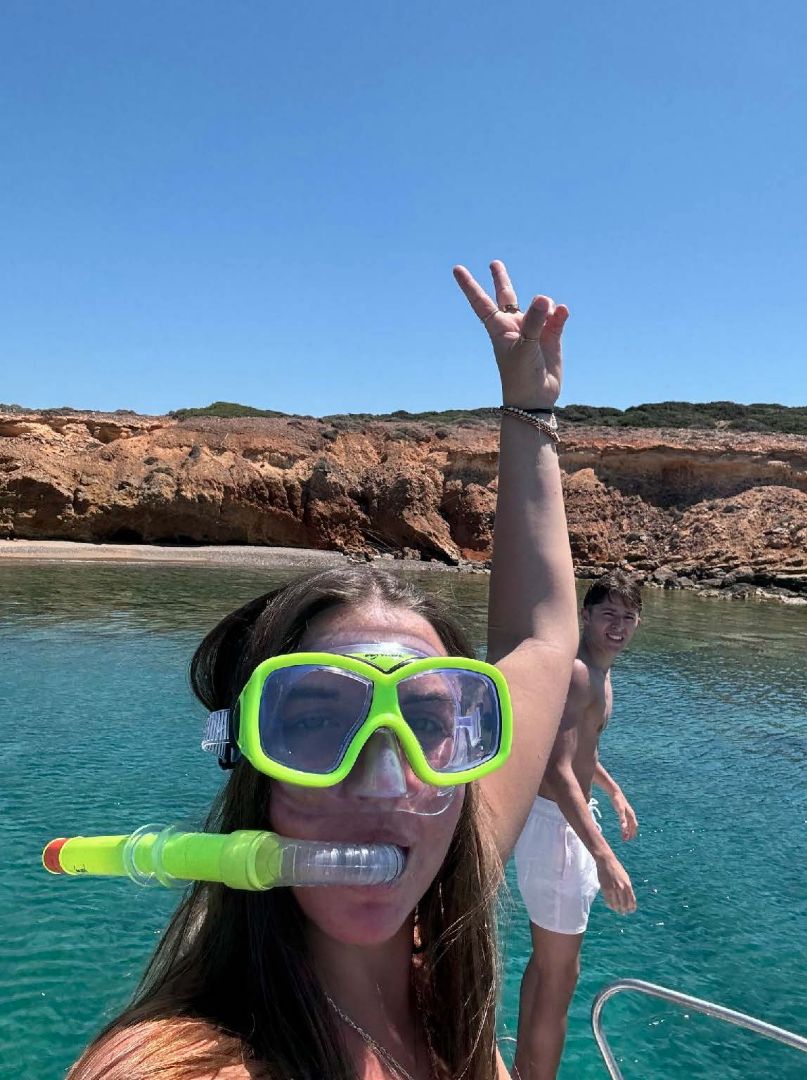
point(610, 625)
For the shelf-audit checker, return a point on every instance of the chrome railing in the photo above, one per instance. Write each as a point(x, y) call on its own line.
point(719, 1012)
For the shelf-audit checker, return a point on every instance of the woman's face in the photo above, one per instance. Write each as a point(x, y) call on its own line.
point(368, 915)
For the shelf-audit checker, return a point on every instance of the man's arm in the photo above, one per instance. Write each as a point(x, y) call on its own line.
point(563, 784)
point(628, 822)
point(560, 777)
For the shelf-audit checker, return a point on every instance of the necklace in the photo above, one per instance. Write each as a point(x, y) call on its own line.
point(381, 1052)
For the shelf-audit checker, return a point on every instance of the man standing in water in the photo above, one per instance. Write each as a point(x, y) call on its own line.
point(562, 858)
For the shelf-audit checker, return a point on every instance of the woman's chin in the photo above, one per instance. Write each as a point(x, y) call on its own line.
point(367, 915)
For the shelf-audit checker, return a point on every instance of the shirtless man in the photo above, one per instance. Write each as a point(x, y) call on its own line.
point(562, 858)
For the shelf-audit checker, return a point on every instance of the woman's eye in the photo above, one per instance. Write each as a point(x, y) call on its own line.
point(428, 725)
point(299, 725)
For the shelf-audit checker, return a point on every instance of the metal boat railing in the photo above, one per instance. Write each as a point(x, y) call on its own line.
point(709, 1008)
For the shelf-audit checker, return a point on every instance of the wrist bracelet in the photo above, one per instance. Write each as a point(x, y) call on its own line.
point(548, 427)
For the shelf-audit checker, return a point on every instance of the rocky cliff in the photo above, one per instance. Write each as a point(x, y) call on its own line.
point(680, 507)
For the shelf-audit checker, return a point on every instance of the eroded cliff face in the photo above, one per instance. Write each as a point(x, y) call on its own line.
point(674, 505)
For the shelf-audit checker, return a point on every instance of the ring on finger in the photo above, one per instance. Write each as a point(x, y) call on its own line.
point(488, 317)
point(509, 309)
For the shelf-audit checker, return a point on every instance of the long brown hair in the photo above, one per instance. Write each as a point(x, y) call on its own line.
point(237, 962)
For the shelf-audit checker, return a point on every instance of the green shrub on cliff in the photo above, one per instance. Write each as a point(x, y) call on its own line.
point(710, 415)
point(686, 414)
point(224, 408)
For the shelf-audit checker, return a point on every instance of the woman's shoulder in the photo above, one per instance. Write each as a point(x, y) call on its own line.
point(180, 1047)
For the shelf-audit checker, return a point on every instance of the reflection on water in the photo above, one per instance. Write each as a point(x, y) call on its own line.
point(708, 739)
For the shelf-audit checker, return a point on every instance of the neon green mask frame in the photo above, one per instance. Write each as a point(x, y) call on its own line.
point(385, 672)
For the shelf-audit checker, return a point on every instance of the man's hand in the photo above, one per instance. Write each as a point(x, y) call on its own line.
point(617, 890)
point(628, 824)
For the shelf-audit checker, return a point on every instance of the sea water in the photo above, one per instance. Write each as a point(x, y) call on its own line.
point(708, 739)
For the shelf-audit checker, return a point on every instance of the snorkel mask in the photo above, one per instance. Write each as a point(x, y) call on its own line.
point(367, 728)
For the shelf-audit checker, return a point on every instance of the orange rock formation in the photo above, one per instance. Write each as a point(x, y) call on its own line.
point(680, 507)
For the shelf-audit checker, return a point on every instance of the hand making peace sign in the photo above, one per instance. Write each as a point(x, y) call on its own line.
point(526, 344)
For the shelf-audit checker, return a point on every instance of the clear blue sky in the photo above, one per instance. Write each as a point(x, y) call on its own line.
point(261, 202)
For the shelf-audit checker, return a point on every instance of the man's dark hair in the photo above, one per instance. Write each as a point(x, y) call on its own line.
point(615, 583)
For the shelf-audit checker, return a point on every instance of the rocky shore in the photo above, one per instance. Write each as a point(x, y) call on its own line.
point(719, 511)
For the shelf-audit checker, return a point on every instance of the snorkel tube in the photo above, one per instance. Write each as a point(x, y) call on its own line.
point(247, 859)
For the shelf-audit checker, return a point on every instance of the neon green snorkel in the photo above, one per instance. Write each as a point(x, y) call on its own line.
point(248, 859)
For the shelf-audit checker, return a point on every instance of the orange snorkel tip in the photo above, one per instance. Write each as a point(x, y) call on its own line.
point(50, 856)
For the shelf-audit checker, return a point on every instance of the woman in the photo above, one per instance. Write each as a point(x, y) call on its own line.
point(393, 982)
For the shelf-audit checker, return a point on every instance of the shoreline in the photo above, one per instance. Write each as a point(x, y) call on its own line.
point(258, 557)
point(247, 556)
point(204, 555)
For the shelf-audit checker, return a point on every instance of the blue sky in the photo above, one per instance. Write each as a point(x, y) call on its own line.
point(260, 202)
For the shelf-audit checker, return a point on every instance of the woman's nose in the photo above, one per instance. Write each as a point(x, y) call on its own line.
point(379, 772)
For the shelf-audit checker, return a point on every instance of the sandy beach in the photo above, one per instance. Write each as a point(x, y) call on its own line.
point(232, 555)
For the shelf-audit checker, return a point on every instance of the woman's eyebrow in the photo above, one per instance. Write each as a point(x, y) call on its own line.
point(312, 694)
point(430, 695)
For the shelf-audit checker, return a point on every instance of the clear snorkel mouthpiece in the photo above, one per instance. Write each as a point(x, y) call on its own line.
point(310, 862)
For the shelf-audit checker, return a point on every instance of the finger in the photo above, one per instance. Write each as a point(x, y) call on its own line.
point(557, 320)
point(474, 293)
point(535, 318)
point(550, 341)
point(505, 293)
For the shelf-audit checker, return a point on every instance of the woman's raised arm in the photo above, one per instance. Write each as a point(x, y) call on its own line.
point(532, 618)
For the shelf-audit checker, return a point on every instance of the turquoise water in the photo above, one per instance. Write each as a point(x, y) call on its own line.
point(709, 741)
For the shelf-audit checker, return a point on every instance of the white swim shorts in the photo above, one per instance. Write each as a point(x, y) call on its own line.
point(557, 876)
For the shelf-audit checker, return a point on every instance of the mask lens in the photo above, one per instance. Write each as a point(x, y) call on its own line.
point(309, 714)
point(454, 715)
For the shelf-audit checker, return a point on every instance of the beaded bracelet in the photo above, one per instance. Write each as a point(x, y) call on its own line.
point(548, 427)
